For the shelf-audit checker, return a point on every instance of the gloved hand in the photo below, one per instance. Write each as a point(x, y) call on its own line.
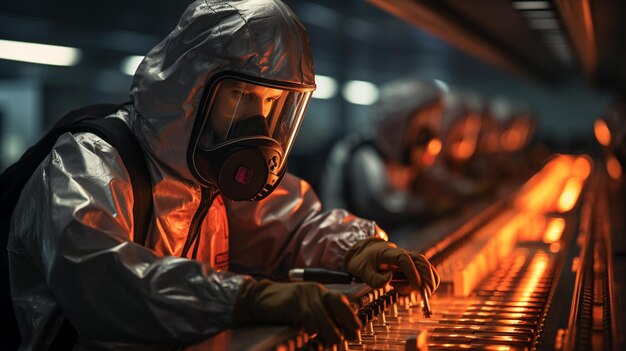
point(373, 260)
point(309, 305)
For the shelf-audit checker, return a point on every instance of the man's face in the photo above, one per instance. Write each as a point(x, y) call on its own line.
point(236, 101)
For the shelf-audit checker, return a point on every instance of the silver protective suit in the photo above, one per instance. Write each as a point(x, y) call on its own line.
point(71, 247)
point(355, 175)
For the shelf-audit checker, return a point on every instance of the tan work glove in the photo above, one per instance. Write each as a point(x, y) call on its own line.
point(308, 305)
point(373, 260)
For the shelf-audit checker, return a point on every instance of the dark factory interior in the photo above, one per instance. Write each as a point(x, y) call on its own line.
point(521, 212)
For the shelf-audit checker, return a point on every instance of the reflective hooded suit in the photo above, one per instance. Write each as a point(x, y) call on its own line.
point(356, 175)
point(71, 248)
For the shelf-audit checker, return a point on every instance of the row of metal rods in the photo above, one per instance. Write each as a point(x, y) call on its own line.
point(504, 313)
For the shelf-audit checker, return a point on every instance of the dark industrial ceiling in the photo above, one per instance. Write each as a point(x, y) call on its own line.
point(545, 40)
point(581, 37)
point(492, 46)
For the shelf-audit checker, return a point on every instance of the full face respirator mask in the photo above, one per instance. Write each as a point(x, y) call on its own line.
point(243, 134)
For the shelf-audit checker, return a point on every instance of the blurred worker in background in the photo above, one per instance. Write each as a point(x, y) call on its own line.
point(483, 164)
point(372, 171)
point(485, 146)
point(215, 108)
point(452, 176)
point(518, 127)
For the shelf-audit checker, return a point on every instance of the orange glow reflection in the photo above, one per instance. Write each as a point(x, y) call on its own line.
point(557, 186)
point(535, 271)
point(570, 194)
point(511, 140)
point(432, 150)
point(463, 149)
point(492, 144)
point(555, 247)
point(532, 228)
point(554, 230)
point(613, 167)
point(582, 167)
point(382, 234)
point(602, 132)
point(486, 347)
point(589, 31)
point(542, 191)
point(434, 147)
point(428, 159)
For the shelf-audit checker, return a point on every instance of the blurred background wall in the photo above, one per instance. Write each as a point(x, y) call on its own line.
point(357, 46)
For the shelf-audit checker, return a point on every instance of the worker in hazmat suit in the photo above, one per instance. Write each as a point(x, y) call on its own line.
point(518, 125)
point(372, 171)
point(454, 174)
point(215, 107)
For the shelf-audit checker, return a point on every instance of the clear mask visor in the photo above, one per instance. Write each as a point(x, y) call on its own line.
point(240, 110)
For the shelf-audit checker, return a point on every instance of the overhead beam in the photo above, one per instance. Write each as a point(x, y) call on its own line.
point(575, 13)
point(443, 22)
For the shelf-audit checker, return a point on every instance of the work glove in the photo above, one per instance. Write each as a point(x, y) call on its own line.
point(308, 305)
point(373, 260)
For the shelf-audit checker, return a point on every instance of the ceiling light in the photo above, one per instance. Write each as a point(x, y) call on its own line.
point(543, 23)
point(130, 63)
point(538, 14)
point(326, 87)
point(531, 5)
point(39, 53)
point(360, 92)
